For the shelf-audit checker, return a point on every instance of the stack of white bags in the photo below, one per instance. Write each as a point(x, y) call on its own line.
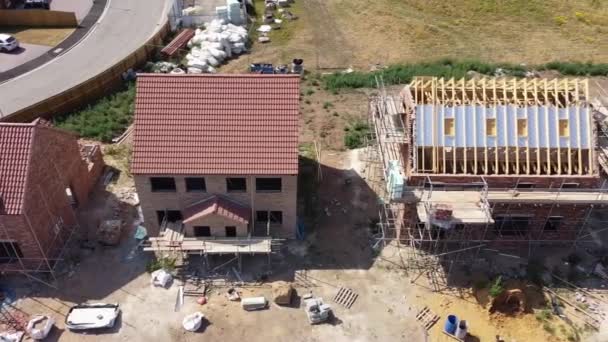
point(210, 47)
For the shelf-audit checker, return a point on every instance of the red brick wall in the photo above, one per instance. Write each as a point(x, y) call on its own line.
point(573, 219)
point(14, 228)
point(495, 181)
point(55, 164)
point(95, 167)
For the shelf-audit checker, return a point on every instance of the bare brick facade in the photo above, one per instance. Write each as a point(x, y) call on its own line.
point(46, 216)
point(194, 132)
point(283, 201)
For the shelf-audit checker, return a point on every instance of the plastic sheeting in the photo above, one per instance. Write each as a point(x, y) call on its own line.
point(469, 131)
point(395, 180)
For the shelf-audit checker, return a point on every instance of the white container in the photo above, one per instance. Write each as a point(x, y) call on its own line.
point(254, 303)
point(461, 330)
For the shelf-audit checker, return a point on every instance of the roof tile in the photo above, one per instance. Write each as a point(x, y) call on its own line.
point(216, 124)
point(15, 146)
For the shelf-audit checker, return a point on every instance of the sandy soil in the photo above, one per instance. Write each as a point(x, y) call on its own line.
point(117, 274)
point(384, 311)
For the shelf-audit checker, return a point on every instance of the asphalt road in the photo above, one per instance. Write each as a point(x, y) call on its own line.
point(125, 26)
point(25, 52)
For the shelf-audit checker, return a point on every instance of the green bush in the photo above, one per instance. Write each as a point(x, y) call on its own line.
point(167, 264)
point(544, 315)
point(578, 69)
point(497, 287)
point(103, 120)
point(447, 68)
point(355, 134)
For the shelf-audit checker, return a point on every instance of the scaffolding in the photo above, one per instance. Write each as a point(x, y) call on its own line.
point(438, 225)
point(173, 243)
point(39, 268)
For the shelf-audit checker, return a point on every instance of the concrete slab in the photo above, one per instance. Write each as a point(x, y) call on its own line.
point(25, 53)
point(80, 7)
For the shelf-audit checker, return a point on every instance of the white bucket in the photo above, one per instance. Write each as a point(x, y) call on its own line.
point(461, 330)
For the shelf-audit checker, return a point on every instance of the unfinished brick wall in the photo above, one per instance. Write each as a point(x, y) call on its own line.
point(573, 220)
point(284, 201)
point(574, 216)
point(47, 218)
point(93, 158)
point(14, 228)
point(496, 181)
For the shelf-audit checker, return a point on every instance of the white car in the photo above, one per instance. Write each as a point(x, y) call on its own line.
point(8, 43)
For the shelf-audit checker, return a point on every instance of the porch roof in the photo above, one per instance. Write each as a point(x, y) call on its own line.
point(218, 205)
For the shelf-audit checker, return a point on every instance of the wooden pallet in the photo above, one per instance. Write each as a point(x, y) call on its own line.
point(346, 297)
point(427, 317)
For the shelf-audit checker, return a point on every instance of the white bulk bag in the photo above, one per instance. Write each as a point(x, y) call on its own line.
point(161, 278)
point(193, 322)
point(42, 332)
point(213, 61)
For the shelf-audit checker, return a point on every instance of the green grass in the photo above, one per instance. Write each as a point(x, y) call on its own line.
point(544, 315)
point(447, 68)
point(497, 288)
point(103, 120)
point(167, 264)
point(355, 133)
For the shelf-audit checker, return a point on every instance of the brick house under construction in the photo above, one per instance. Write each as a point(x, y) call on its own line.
point(215, 161)
point(45, 174)
point(490, 162)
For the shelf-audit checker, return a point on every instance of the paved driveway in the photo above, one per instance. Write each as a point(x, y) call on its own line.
point(25, 53)
point(125, 27)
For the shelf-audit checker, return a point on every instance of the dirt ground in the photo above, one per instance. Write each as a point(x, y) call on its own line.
point(337, 34)
point(318, 265)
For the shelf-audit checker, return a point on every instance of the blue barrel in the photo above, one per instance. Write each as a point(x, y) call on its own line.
point(450, 324)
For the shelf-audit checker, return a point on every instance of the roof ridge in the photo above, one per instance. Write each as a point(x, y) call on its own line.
point(30, 156)
point(218, 75)
point(18, 124)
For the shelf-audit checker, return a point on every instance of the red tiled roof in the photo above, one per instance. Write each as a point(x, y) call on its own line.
point(15, 147)
point(217, 205)
point(216, 124)
point(178, 42)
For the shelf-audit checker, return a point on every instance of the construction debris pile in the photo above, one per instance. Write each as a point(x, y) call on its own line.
point(274, 20)
point(213, 45)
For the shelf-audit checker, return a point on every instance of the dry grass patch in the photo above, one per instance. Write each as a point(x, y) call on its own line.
point(359, 33)
point(39, 36)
